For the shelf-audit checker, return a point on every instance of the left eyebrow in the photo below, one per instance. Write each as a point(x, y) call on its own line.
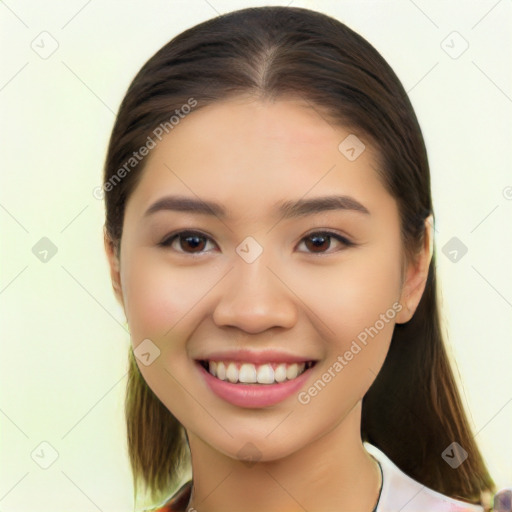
point(304, 207)
point(287, 209)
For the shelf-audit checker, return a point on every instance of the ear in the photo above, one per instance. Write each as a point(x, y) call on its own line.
point(416, 275)
point(114, 264)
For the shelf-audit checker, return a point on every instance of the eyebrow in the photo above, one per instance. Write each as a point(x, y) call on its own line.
point(287, 209)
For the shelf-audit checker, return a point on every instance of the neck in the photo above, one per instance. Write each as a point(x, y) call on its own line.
point(333, 472)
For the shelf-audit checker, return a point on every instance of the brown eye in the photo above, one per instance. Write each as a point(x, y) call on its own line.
point(320, 242)
point(195, 242)
point(192, 242)
point(188, 241)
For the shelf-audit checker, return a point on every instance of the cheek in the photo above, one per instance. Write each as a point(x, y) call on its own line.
point(355, 306)
point(158, 295)
point(158, 299)
point(351, 295)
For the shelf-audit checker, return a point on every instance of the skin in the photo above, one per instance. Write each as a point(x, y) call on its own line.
point(247, 155)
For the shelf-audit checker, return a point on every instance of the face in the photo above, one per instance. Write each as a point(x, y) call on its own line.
point(320, 284)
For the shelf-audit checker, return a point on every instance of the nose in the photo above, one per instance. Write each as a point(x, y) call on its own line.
point(255, 298)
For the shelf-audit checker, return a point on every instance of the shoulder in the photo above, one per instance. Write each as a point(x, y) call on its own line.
point(401, 492)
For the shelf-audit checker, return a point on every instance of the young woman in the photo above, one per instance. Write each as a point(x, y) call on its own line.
point(269, 229)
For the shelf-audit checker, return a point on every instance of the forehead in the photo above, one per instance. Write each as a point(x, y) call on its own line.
point(291, 122)
point(244, 151)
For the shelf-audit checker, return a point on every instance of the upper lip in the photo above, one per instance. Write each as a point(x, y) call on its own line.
point(259, 357)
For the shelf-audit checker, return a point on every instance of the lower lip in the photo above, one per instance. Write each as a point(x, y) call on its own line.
point(253, 395)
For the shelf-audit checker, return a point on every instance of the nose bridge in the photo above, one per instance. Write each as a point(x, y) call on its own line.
point(254, 298)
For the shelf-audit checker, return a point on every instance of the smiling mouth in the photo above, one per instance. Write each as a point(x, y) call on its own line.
point(238, 372)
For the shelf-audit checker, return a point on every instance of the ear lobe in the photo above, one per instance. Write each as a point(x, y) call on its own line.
point(416, 275)
point(114, 266)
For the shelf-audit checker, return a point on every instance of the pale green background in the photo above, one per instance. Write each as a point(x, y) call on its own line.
point(64, 341)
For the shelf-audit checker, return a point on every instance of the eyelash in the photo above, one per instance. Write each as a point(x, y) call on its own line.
point(168, 241)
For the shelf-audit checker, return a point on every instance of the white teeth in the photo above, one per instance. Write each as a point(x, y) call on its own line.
point(280, 373)
point(221, 370)
point(292, 371)
point(249, 373)
point(265, 374)
point(232, 373)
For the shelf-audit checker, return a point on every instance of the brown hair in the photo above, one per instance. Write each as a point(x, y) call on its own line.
point(413, 410)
